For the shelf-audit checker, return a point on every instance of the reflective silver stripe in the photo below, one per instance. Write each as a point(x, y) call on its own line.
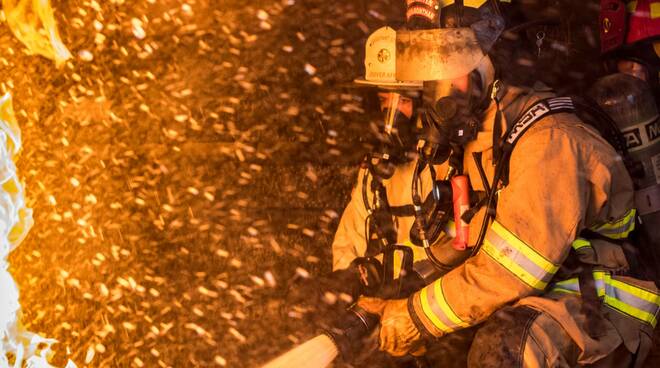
point(519, 257)
point(435, 307)
point(600, 285)
point(618, 230)
point(630, 299)
point(644, 307)
point(570, 285)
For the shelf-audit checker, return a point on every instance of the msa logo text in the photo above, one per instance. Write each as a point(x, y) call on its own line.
point(534, 114)
point(653, 130)
point(633, 138)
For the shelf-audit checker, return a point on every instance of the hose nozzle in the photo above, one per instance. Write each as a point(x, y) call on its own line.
point(349, 330)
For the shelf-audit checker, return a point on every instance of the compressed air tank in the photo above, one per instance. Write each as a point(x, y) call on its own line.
point(630, 103)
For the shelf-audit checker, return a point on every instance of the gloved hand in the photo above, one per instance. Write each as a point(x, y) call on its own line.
point(398, 334)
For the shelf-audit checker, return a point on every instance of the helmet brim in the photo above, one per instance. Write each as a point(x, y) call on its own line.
point(389, 85)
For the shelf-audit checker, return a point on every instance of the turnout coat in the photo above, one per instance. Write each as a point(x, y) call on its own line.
point(564, 178)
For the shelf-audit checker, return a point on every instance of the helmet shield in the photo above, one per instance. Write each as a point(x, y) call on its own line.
point(380, 62)
point(437, 54)
point(399, 115)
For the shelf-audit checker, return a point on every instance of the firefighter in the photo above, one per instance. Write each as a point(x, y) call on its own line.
point(630, 103)
point(553, 276)
point(630, 39)
point(380, 212)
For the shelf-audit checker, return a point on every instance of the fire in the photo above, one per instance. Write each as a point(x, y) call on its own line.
point(17, 346)
point(33, 23)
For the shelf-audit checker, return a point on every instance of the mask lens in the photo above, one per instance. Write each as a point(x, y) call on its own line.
point(397, 112)
point(396, 132)
point(435, 90)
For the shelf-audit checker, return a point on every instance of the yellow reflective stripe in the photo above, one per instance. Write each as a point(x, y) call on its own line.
point(613, 225)
point(618, 229)
point(442, 303)
point(523, 248)
point(569, 286)
point(428, 312)
point(565, 282)
point(580, 243)
point(513, 267)
point(630, 310)
point(565, 291)
point(628, 299)
point(636, 291)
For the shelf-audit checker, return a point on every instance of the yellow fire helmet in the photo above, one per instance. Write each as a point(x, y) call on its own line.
point(380, 63)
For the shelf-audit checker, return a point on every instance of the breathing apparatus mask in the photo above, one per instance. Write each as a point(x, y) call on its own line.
point(396, 134)
point(451, 117)
point(458, 81)
point(399, 99)
point(457, 76)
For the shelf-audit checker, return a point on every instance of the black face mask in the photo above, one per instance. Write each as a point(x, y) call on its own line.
point(394, 142)
point(450, 123)
point(401, 137)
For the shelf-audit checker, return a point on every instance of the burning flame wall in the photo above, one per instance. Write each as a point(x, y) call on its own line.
point(16, 345)
point(33, 23)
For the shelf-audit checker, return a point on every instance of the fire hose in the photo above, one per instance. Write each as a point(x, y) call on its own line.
point(345, 338)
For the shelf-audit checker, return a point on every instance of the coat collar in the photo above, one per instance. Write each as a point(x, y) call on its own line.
point(514, 101)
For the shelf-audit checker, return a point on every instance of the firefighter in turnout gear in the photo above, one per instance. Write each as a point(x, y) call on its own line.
point(553, 274)
point(380, 213)
point(373, 246)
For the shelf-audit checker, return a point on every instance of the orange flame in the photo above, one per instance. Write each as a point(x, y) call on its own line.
point(15, 222)
point(33, 23)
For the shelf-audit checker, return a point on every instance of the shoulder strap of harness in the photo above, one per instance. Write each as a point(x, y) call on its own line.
point(523, 123)
point(527, 119)
point(536, 112)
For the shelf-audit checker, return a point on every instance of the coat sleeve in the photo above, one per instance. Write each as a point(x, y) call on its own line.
point(538, 216)
point(350, 238)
